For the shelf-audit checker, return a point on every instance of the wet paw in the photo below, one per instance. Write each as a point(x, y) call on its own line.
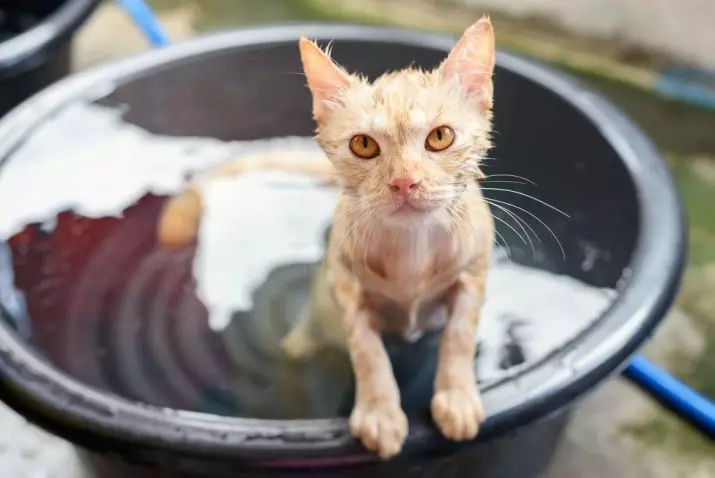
point(458, 412)
point(381, 426)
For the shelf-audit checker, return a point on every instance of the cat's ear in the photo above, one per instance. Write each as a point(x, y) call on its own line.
point(471, 61)
point(326, 80)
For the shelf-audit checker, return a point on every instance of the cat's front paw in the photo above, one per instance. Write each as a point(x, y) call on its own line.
point(458, 412)
point(380, 426)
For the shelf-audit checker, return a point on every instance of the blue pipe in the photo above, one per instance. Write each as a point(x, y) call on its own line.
point(145, 19)
point(696, 87)
point(655, 381)
point(672, 393)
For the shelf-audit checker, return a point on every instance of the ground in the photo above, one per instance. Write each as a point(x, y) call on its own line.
point(617, 431)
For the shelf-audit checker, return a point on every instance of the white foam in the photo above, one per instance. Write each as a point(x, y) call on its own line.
point(557, 308)
point(253, 224)
point(89, 159)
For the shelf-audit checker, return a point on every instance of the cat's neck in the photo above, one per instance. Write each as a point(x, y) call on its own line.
point(415, 247)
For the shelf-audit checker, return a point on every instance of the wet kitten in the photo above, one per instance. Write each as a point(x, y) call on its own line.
point(411, 238)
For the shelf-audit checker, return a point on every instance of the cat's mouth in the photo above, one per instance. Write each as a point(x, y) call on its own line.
point(408, 207)
point(408, 212)
point(405, 208)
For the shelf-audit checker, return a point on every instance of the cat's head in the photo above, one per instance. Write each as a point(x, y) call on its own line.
point(407, 143)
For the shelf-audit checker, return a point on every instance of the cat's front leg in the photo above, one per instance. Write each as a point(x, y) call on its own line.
point(456, 405)
point(377, 419)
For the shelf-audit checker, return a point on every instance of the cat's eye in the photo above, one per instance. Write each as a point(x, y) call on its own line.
point(363, 146)
point(439, 138)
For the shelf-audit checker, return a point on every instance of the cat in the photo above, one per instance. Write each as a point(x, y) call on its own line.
point(412, 236)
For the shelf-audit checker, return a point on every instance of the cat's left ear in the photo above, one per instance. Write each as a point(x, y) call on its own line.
point(326, 79)
point(471, 61)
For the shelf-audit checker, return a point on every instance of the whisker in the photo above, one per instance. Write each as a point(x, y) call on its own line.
point(512, 228)
point(298, 73)
point(455, 224)
point(529, 197)
point(498, 235)
point(523, 221)
point(488, 180)
point(505, 245)
point(515, 176)
point(563, 253)
point(516, 218)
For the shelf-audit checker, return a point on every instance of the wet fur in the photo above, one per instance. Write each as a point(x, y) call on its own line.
point(387, 270)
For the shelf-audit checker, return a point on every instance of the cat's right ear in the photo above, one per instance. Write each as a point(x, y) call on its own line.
point(326, 80)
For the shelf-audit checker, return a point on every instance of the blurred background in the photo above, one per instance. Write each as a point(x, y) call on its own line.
point(650, 58)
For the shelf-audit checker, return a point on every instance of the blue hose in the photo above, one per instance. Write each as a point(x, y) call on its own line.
point(688, 85)
point(677, 396)
point(145, 19)
point(658, 383)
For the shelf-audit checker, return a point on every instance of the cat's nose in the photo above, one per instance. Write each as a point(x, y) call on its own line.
point(404, 185)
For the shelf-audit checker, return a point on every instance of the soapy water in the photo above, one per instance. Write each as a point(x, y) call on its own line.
point(83, 280)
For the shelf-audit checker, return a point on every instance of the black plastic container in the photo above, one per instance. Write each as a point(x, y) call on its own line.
point(625, 233)
point(35, 48)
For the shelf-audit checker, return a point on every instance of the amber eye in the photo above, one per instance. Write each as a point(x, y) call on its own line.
point(440, 138)
point(363, 146)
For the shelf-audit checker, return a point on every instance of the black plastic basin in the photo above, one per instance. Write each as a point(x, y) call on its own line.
point(35, 44)
point(105, 339)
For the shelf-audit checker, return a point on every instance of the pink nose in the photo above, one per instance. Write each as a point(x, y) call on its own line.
point(404, 185)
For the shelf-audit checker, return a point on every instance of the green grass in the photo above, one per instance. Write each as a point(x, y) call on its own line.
point(666, 432)
point(698, 301)
point(698, 195)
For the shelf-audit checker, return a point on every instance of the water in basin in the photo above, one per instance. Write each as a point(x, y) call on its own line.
point(82, 279)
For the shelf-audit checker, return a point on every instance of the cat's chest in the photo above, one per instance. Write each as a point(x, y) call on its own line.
point(411, 267)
